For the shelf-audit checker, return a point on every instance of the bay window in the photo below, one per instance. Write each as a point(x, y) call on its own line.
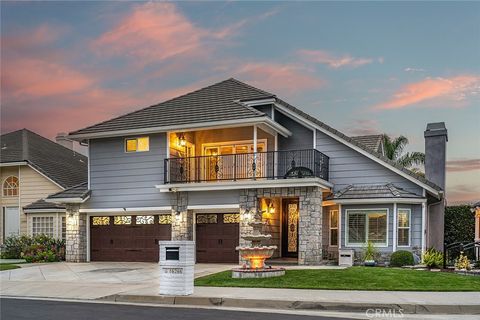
point(403, 227)
point(364, 225)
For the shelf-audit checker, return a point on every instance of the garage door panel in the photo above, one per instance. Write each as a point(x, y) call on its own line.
point(127, 242)
point(216, 241)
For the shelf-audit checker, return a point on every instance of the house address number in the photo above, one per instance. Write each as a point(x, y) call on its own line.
point(173, 270)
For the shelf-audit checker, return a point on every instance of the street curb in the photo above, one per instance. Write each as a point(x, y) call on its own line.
point(406, 308)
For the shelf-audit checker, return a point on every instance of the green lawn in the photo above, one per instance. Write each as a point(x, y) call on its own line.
point(355, 278)
point(7, 266)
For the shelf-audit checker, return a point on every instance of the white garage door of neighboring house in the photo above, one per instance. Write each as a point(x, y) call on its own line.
point(12, 221)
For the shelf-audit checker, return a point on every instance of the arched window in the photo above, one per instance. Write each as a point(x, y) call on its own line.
point(10, 187)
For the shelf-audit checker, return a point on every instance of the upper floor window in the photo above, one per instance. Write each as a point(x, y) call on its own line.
point(10, 187)
point(139, 144)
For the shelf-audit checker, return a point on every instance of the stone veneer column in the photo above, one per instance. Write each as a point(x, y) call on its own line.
point(309, 224)
point(76, 234)
point(182, 219)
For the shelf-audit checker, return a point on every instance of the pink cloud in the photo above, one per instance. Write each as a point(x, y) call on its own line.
point(363, 127)
point(463, 165)
point(33, 78)
point(289, 79)
point(454, 89)
point(335, 62)
point(155, 31)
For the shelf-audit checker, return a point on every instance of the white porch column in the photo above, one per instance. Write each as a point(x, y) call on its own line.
point(255, 138)
point(394, 231)
point(339, 226)
point(424, 208)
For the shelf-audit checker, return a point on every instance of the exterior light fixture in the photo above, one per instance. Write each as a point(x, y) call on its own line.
point(271, 208)
point(182, 142)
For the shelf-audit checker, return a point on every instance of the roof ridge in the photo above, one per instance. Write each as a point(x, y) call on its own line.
point(251, 87)
point(163, 102)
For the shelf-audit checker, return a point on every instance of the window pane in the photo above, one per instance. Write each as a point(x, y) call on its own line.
point(403, 235)
point(377, 227)
point(356, 228)
point(334, 219)
point(118, 220)
point(143, 144)
point(403, 218)
point(131, 145)
point(206, 218)
point(100, 221)
point(165, 219)
point(144, 219)
point(333, 237)
point(64, 228)
point(231, 218)
point(42, 225)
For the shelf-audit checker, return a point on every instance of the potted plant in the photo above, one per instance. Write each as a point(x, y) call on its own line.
point(370, 253)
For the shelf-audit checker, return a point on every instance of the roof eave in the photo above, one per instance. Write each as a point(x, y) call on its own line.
point(190, 127)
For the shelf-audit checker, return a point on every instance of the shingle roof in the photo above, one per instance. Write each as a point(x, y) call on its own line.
point(64, 166)
point(79, 191)
point(355, 143)
point(373, 141)
point(372, 191)
point(42, 204)
point(217, 102)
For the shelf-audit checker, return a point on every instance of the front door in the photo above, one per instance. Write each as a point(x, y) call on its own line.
point(12, 221)
point(290, 228)
point(217, 236)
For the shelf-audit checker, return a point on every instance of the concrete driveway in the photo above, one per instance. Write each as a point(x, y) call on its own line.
point(87, 280)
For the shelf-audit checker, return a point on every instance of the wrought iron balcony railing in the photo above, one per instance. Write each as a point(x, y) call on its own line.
point(247, 166)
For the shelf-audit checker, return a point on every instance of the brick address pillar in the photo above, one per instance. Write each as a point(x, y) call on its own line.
point(76, 235)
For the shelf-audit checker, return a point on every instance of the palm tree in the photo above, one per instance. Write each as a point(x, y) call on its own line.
point(394, 151)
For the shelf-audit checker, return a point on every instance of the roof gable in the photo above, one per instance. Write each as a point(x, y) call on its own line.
point(63, 166)
point(373, 141)
point(218, 102)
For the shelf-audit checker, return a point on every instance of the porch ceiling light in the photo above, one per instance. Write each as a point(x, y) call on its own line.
point(182, 142)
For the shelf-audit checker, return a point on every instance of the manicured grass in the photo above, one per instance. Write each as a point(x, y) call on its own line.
point(7, 266)
point(355, 278)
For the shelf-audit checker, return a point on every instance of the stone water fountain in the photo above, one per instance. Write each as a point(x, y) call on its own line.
point(256, 254)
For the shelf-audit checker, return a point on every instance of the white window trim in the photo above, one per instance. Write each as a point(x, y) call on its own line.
point(360, 245)
point(136, 138)
point(409, 211)
point(330, 228)
point(18, 187)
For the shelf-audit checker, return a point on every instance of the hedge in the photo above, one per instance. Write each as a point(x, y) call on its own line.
point(459, 224)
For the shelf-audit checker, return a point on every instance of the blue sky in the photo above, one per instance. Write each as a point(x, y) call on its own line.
point(361, 67)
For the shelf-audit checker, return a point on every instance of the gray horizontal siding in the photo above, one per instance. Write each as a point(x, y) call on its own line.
point(301, 138)
point(348, 166)
point(120, 179)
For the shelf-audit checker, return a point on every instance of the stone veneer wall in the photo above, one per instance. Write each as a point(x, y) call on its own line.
point(310, 218)
point(182, 219)
point(76, 234)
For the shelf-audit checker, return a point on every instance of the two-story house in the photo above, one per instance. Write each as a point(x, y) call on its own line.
point(203, 165)
point(31, 168)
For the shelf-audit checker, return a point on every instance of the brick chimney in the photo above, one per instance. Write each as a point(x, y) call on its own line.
point(62, 139)
point(436, 138)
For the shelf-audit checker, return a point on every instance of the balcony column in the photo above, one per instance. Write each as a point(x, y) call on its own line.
point(255, 150)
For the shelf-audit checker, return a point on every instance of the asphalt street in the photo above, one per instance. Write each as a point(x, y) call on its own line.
point(20, 309)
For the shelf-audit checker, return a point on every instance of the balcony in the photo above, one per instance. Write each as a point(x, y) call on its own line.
point(270, 165)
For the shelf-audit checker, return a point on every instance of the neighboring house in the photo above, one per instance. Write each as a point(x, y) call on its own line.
point(31, 168)
point(199, 166)
point(476, 210)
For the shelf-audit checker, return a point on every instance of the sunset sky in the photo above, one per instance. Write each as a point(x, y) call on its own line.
point(363, 68)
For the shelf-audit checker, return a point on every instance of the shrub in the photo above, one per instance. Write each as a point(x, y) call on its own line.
point(401, 258)
point(459, 224)
point(462, 263)
point(432, 258)
point(40, 248)
point(370, 252)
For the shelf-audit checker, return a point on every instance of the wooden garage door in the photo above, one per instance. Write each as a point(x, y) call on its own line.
point(217, 236)
point(128, 238)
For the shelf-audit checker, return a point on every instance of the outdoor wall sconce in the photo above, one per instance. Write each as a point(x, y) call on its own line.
point(182, 142)
point(271, 208)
